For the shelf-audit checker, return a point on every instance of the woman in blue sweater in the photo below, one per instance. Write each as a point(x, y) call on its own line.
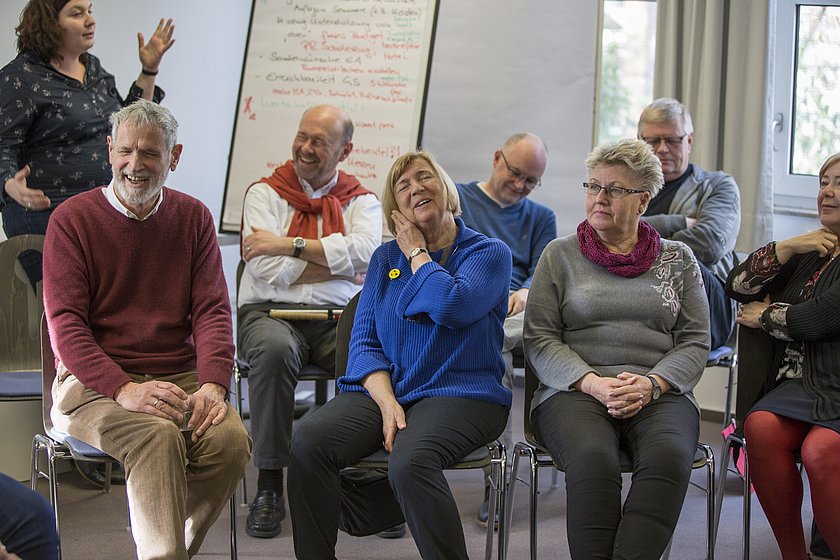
point(424, 371)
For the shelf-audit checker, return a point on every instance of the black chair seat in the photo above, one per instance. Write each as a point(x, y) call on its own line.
point(476, 459)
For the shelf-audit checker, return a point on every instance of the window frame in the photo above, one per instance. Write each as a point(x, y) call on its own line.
point(787, 186)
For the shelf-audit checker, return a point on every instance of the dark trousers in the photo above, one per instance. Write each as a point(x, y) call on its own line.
point(661, 439)
point(18, 220)
point(439, 431)
point(27, 522)
point(721, 317)
point(276, 350)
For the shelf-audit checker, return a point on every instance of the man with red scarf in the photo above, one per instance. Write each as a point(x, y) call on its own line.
point(308, 235)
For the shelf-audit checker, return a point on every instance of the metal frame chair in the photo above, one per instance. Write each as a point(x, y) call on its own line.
point(308, 372)
point(493, 454)
point(755, 346)
point(539, 457)
point(59, 445)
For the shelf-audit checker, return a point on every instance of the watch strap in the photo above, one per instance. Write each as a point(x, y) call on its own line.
point(657, 389)
point(415, 252)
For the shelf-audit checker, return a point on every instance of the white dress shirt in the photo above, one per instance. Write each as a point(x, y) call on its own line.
point(269, 278)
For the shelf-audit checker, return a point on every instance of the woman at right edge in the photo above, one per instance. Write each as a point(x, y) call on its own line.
point(791, 290)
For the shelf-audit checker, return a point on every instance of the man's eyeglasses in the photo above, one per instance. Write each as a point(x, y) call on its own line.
point(530, 182)
point(613, 192)
point(672, 141)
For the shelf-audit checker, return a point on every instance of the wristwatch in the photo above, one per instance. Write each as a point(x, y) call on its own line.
point(416, 251)
point(298, 243)
point(657, 390)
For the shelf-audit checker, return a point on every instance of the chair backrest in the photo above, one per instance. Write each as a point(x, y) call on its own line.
point(531, 386)
point(20, 307)
point(240, 268)
point(342, 335)
point(47, 374)
point(755, 364)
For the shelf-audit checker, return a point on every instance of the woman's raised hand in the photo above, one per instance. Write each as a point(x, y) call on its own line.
point(409, 236)
point(820, 240)
point(161, 40)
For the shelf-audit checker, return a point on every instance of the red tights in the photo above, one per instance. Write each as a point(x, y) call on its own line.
point(771, 442)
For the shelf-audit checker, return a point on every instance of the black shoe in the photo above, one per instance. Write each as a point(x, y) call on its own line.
point(266, 513)
point(484, 510)
point(395, 532)
point(95, 473)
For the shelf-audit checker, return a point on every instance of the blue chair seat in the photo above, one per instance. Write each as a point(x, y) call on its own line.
point(719, 353)
point(20, 385)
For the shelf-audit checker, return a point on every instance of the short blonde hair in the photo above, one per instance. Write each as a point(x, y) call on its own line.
point(636, 155)
point(389, 201)
point(828, 163)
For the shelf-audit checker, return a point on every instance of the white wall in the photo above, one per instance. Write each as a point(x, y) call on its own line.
point(499, 67)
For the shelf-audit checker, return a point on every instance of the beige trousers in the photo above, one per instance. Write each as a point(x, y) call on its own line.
point(176, 488)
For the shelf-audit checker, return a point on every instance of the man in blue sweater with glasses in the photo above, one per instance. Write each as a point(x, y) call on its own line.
point(500, 208)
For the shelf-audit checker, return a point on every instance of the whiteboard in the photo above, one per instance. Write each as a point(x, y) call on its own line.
point(369, 57)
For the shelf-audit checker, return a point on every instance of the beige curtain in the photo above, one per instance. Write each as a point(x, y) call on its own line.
point(716, 56)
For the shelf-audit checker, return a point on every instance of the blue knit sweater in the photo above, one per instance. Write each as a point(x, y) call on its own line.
point(438, 332)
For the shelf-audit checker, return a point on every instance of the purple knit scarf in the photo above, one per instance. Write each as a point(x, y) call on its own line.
point(629, 266)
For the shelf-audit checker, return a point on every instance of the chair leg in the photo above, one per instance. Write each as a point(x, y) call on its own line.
point(532, 514)
point(233, 548)
point(238, 379)
point(496, 501)
point(726, 453)
point(710, 504)
point(747, 503)
point(54, 492)
point(244, 501)
point(509, 497)
point(502, 481)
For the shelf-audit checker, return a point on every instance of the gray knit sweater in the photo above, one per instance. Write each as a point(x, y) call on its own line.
point(582, 318)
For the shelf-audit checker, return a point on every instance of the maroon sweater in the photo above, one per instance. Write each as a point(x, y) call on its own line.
point(143, 297)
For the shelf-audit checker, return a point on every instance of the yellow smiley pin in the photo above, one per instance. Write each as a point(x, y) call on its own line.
point(394, 273)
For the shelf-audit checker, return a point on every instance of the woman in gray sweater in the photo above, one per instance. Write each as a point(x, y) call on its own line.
point(617, 331)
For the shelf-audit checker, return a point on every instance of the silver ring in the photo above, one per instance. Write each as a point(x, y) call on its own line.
point(155, 404)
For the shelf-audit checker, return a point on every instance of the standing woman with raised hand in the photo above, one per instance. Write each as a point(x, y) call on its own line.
point(55, 102)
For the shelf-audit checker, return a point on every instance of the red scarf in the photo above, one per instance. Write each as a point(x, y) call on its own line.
point(305, 221)
point(635, 264)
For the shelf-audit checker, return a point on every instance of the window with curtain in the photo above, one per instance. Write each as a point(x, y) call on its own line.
point(807, 99)
point(625, 84)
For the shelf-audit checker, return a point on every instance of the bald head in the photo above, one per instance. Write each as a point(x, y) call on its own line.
point(518, 167)
point(323, 140)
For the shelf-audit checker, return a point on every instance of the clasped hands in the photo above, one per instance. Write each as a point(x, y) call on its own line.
point(624, 395)
point(167, 400)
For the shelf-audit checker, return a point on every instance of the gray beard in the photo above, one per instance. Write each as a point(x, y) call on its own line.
point(137, 197)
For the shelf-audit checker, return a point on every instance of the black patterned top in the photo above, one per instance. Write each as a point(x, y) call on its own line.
point(804, 317)
point(58, 125)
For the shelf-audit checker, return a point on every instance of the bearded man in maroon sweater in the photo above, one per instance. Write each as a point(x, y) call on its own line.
point(139, 319)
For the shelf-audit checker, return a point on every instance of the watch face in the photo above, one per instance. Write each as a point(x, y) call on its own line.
point(298, 243)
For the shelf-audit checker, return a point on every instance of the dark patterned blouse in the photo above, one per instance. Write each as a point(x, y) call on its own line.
point(58, 125)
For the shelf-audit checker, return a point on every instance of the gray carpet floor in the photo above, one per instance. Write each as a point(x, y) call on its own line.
point(93, 524)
